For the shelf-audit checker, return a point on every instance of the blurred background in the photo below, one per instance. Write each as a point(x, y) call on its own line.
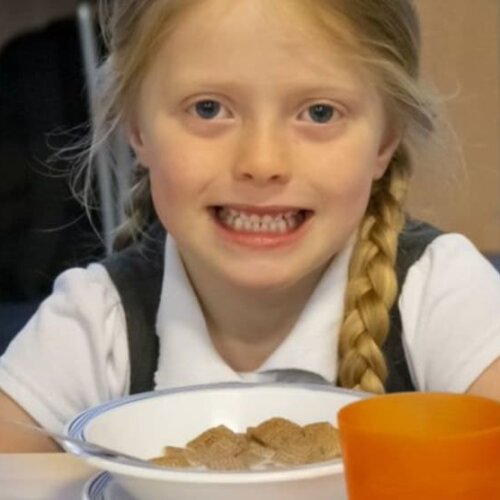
point(461, 55)
point(44, 88)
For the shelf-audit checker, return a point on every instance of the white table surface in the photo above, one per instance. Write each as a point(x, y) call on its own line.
point(42, 476)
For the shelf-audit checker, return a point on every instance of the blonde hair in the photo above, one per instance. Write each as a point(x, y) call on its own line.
point(383, 36)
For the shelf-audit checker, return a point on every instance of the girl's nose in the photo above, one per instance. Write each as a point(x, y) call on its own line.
point(262, 157)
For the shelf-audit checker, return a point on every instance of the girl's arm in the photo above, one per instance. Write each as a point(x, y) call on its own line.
point(14, 440)
point(488, 383)
point(71, 355)
point(451, 325)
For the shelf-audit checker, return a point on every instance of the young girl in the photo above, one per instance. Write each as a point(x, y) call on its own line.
point(274, 142)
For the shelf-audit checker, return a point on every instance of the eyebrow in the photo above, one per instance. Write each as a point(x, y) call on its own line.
point(294, 88)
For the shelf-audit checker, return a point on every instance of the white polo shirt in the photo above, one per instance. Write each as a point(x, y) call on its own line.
point(73, 353)
point(187, 356)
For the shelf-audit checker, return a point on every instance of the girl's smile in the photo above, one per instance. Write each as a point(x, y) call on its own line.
point(261, 227)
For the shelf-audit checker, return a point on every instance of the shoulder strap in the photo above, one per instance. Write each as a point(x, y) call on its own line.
point(413, 241)
point(137, 273)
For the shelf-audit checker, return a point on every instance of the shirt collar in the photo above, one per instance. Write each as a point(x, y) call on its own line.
point(187, 355)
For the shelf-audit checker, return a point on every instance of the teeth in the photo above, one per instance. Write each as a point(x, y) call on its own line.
point(244, 222)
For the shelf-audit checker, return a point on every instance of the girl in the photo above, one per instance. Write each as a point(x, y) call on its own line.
point(274, 142)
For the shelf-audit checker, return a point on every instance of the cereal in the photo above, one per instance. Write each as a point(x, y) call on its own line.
point(277, 442)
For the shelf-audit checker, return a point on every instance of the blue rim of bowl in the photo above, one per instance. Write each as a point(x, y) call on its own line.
point(96, 486)
point(76, 428)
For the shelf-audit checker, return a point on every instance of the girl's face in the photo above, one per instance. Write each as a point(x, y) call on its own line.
point(262, 144)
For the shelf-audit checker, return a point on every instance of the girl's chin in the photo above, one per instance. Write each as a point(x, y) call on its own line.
point(261, 280)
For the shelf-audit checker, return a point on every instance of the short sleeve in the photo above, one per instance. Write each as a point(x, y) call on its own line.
point(73, 352)
point(450, 311)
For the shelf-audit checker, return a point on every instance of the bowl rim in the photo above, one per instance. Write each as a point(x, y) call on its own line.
point(76, 428)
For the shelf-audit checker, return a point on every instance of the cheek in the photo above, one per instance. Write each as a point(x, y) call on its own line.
point(179, 175)
point(175, 167)
point(177, 157)
point(348, 196)
point(345, 175)
point(171, 181)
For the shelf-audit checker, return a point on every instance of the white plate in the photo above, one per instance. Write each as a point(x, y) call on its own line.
point(102, 487)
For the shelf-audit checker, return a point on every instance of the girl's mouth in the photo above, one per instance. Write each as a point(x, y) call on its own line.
point(273, 222)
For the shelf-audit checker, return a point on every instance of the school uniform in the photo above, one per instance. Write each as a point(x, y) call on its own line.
point(84, 347)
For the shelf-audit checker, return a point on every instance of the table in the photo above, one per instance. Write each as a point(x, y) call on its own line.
point(42, 476)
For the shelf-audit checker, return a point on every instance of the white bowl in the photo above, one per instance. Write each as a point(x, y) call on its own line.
point(143, 424)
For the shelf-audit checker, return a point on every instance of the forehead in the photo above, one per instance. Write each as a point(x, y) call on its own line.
point(253, 39)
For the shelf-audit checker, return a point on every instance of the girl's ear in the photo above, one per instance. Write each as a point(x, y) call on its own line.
point(388, 147)
point(136, 141)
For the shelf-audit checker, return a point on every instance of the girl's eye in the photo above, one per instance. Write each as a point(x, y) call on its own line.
point(207, 109)
point(320, 113)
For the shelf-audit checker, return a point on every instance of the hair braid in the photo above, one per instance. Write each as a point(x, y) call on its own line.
point(372, 283)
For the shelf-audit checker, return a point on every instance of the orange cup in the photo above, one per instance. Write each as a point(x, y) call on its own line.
point(416, 446)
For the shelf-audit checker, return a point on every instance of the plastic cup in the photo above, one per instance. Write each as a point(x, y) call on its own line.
point(415, 446)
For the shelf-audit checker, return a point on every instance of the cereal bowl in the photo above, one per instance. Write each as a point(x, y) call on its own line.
point(142, 425)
